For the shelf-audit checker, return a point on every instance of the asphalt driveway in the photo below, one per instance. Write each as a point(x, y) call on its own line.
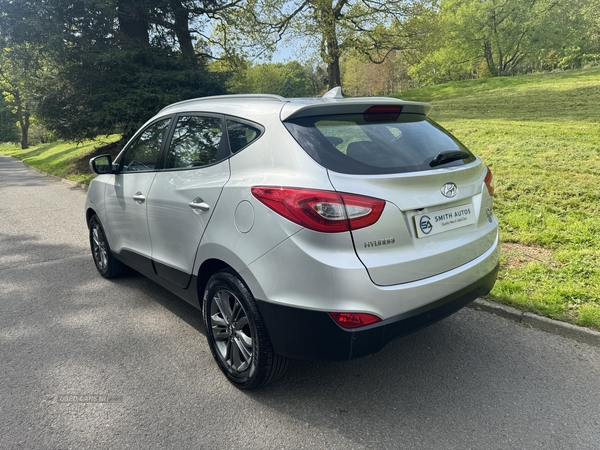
point(91, 363)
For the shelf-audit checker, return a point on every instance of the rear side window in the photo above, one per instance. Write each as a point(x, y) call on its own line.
point(241, 135)
point(349, 144)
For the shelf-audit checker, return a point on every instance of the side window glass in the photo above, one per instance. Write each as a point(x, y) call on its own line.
point(142, 155)
point(195, 142)
point(240, 135)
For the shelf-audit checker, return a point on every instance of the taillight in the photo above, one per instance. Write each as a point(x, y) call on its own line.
point(489, 181)
point(354, 320)
point(382, 112)
point(325, 211)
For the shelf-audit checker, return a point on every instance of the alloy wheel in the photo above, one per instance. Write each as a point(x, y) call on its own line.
point(231, 331)
point(99, 247)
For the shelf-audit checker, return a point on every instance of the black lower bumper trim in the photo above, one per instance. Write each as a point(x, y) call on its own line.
point(307, 334)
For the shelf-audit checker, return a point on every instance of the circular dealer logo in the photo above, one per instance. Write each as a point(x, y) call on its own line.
point(425, 224)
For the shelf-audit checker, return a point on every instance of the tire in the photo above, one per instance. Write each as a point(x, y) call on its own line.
point(236, 333)
point(107, 265)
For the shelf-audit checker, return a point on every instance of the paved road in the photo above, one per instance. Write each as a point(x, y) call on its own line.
point(473, 381)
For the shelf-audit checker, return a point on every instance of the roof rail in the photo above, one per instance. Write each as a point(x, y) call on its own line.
point(265, 97)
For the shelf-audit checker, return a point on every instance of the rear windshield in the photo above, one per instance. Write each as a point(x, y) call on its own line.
point(349, 144)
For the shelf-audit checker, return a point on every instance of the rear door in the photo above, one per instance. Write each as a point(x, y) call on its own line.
point(437, 216)
point(185, 193)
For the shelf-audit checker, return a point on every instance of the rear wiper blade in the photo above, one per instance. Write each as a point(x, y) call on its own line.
point(448, 156)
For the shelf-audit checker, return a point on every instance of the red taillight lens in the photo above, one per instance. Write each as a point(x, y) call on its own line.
point(489, 181)
point(382, 112)
point(354, 320)
point(325, 211)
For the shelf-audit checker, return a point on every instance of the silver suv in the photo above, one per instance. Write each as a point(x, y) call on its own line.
point(302, 228)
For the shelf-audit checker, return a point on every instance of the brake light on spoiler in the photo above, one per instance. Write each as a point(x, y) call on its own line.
point(382, 112)
point(318, 210)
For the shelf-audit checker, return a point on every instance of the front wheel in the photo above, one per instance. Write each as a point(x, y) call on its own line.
point(236, 333)
point(107, 265)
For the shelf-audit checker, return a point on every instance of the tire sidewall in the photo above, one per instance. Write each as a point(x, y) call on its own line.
point(229, 281)
point(95, 221)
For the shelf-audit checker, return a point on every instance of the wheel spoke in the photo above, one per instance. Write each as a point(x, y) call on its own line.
point(103, 255)
point(237, 312)
point(241, 353)
point(245, 339)
point(236, 361)
point(218, 322)
point(99, 247)
point(223, 306)
point(96, 237)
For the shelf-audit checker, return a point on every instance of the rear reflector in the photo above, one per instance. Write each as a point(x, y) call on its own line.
point(354, 320)
point(382, 112)
point(489, 181)
point(324, 211)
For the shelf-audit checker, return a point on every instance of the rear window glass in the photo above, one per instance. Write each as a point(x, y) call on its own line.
point(349, 144)
point(241, 135)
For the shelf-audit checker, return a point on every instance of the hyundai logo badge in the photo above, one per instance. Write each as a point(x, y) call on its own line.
point(449, 190)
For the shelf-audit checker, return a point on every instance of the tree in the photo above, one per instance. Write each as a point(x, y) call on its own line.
point(116, 62)
point(290, 79)
point(372, 27)
point(287, 80)
point(504, 33)
point(19, 66)
point(8, 120)
point(362, 77)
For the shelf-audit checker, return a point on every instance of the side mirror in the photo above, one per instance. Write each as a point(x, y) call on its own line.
point(102, 164)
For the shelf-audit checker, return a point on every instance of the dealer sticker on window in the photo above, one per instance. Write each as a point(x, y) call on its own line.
point(436, 222)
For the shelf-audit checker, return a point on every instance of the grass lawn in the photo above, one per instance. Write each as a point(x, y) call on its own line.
point(63, 159)
point(540, 135)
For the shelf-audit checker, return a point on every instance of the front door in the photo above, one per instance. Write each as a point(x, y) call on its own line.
point(126, 196)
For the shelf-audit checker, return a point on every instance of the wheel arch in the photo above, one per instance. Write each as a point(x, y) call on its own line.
point(89, 213)
point(207, 270)
point(216, 257)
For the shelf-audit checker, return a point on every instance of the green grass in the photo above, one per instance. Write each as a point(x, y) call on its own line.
point(540, 134)
point(63, 159)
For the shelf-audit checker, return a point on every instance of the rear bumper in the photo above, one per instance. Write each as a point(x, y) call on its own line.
point(308, 334)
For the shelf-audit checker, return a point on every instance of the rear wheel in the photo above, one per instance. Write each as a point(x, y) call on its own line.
point(107, 265)
point(237, 335)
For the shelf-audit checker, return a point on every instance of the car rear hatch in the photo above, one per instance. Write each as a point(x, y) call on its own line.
point(438, 212)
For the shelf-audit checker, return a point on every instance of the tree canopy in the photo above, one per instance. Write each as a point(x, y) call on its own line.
point(334, 27)
point(108, 65)
point(91, 67)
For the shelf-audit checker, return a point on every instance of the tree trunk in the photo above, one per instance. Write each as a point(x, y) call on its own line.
point(23, 117)
point(182, 31)
point(133, 21)
point(330, 48)
point(489, 58)
point(25, 131)
point(333, 73)
point(330, 52)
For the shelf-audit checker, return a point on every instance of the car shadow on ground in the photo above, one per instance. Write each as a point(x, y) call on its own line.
point(472, 374)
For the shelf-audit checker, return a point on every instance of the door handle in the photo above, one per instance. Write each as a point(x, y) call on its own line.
point(199, 204)
point(139, 198)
